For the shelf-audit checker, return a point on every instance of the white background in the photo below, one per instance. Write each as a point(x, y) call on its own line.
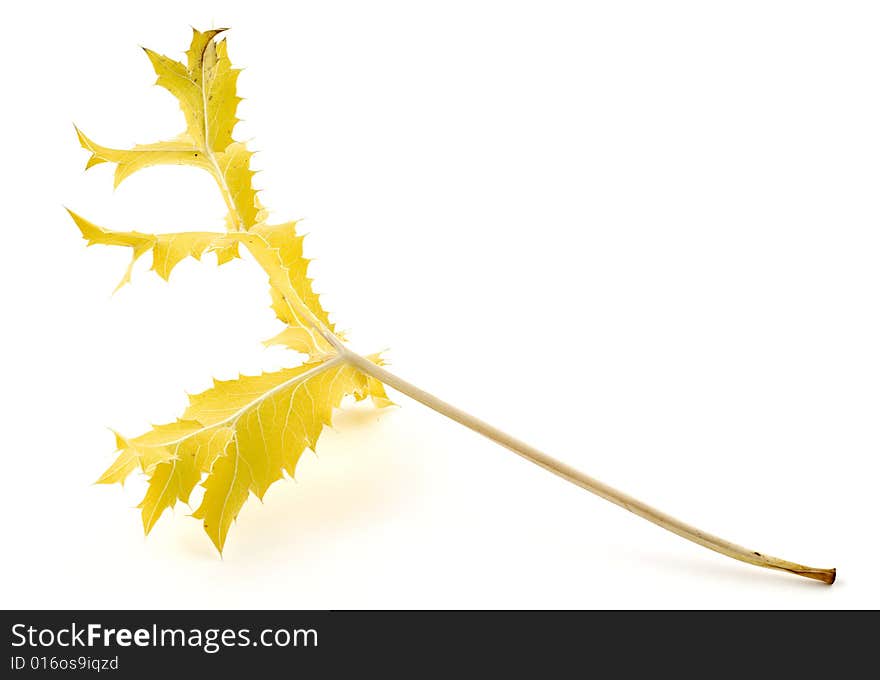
point(642, 236)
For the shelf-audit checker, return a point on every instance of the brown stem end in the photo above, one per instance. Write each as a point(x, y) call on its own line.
point(825, 575)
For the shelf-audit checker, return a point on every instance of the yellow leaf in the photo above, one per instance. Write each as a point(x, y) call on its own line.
point(289, 244)
point(168, 249)
point(180, 151)
point(205, 87)
point(277, 248)
point(242, 435)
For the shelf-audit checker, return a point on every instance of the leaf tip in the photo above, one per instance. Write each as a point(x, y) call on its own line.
point(151, 54)
point(121, 442)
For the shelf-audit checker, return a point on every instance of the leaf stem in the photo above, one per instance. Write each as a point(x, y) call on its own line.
point(584, 481)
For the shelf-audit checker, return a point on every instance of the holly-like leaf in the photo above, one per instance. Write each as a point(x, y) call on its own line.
point(205, 88)
point(168, 249)
point(241, 435)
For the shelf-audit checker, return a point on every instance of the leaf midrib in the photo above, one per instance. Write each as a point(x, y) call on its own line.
point(302, 377)
point(209, 152)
